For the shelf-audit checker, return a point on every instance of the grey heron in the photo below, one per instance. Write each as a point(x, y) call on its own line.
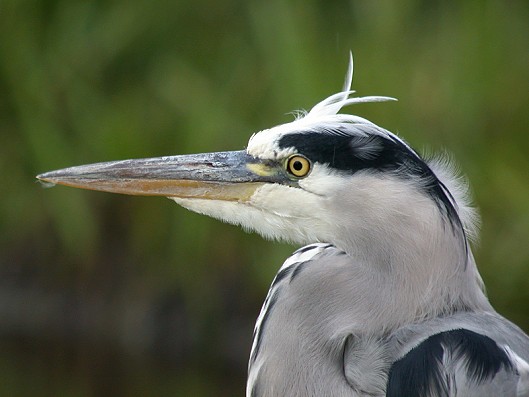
point(385, 298)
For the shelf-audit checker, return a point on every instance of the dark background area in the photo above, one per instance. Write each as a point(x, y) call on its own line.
point(103, 294)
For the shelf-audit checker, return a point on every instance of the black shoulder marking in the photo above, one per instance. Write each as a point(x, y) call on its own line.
point(420, 372)
point(282, 274)
point(299, 267)
point(482, 356)
point(259, 335)
point(304, 249)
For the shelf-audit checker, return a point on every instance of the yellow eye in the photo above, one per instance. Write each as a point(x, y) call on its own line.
point(298, 166)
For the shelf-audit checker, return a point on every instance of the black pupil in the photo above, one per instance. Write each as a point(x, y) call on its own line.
point(298, 165)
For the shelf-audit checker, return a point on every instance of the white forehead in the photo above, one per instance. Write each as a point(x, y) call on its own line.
point(265, 144)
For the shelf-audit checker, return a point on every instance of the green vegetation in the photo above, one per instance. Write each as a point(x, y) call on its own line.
point(127, 296)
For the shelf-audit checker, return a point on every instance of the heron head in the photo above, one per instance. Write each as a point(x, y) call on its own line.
point(325, 176)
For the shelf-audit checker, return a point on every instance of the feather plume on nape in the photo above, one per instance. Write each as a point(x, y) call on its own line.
point(333, 104)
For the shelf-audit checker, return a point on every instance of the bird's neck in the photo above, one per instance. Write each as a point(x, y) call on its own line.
point(420, 258)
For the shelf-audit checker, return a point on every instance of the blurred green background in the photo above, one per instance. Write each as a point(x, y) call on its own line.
point(103, 294)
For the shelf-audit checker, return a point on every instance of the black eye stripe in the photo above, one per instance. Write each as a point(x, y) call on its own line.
point(347, 152)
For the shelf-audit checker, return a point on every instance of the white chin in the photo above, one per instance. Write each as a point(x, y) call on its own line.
point(268, 225)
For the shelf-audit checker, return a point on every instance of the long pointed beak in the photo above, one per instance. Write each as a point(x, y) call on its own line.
point(218, 176)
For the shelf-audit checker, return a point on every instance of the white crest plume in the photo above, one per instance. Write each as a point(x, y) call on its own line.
point(325, 113)
point(333, 104)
